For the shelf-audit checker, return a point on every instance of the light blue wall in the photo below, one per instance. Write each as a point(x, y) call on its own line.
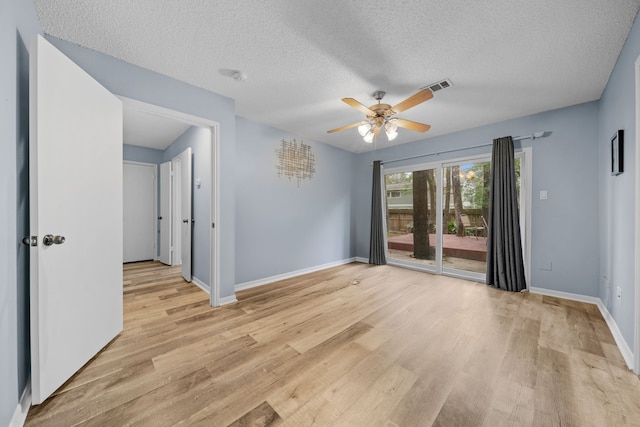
point(199, 139)
point(137, 83)
point(618, 193)
point(564, 227)
point(18, 24)
point(281, 227)
point(141, 154)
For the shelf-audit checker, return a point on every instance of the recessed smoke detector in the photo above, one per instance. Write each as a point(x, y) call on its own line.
point(434, 87)
point(239, 76)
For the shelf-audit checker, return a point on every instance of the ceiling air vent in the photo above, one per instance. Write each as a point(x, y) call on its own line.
point(434, 87)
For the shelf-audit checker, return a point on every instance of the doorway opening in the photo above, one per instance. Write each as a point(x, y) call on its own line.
point(198, 175)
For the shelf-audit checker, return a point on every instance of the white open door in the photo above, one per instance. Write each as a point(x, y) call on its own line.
point(165, 213)
point(182, 203)
point(75, 174)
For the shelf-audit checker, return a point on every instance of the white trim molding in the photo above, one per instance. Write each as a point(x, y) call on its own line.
point(267, 280)
point(22, 410)
point(624, 348)
point(199, 283)
point(361, 259)
point(227, 300)
point(565, 295)
point(636, 309)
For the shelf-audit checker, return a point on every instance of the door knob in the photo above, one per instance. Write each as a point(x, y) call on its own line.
point(186, 221)
point(50, 239)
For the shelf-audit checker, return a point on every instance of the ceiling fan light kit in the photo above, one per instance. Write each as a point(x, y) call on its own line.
point(368, 138)
point(364, 128)
point(381, 115)
point(391, 129)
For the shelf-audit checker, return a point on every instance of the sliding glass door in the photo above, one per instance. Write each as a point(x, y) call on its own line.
point(437, 216)
point(412, 216)
point(465, 212)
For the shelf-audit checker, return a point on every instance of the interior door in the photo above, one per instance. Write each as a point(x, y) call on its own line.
point(165, 213)
point(139, 212)
point(75, 184)
point(183, 176)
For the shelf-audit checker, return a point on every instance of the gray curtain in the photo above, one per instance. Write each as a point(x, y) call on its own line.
point(376, 245)
point(505, 268)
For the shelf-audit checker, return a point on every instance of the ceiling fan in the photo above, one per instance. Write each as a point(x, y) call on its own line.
point(381, 115)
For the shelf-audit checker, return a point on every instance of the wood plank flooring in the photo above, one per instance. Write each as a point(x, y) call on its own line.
point(355, 345)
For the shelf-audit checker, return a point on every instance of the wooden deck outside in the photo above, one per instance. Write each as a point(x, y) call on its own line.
point(467, 247)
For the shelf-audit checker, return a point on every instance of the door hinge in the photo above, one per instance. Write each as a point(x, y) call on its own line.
point(213, 225)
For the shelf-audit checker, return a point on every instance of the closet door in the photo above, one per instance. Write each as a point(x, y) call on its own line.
point(139, 211)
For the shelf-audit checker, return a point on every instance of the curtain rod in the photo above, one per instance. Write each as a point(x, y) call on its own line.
point(532, 137)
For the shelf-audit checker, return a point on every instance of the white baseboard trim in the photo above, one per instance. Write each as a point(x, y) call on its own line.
point(267, 280)
point(227, 300)
point(199, 283)
point(20, 414)
point(362, 260)
point(565, 295)
point(624, 348)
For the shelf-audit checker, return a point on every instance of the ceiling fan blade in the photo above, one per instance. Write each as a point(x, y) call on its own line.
point(412, 101)
point(408, 124)
point(352, 125)
point(358, 106)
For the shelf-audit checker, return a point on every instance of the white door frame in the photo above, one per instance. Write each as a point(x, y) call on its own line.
point(165, 253)
point(214, 236)
point(182, 166)
point(176, 213)
point(636, 317)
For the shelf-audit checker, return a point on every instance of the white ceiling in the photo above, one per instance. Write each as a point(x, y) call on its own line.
point(506, 58)
point(150, 130)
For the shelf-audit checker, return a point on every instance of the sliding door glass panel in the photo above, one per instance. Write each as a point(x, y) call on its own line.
point(411, 216)
point(465, 203)
point(465, 215)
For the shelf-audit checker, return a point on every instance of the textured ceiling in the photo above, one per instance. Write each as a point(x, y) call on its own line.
point(506, 58)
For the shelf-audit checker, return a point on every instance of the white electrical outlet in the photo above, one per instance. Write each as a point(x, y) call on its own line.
point(619, 295)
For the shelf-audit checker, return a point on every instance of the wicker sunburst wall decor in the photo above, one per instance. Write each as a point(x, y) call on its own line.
point(295, 160)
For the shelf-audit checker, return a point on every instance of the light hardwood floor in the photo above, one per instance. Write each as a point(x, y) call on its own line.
point(351, 346)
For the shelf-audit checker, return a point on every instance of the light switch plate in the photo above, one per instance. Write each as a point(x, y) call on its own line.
point(543, 195)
